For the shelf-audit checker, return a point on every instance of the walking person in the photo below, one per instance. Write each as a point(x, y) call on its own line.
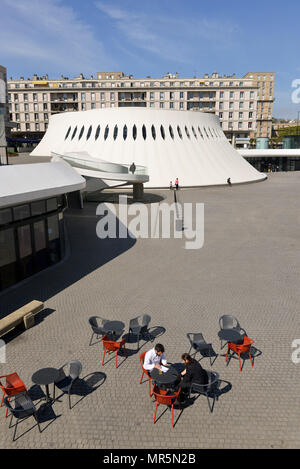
point(171, 185)
point(229, 181)
point(177, 184)
point(132, 168)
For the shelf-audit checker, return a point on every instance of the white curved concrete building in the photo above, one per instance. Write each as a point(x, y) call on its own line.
point(164, 144)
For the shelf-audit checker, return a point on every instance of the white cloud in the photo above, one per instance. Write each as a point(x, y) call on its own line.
point(170, 38)
point(49, 34)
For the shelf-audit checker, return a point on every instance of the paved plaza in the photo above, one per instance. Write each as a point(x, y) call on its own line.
point(249, 267)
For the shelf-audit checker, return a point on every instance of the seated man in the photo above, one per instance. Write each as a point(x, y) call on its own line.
point(192, 373)
point(155, 358)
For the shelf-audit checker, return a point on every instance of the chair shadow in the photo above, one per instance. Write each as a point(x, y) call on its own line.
point(215, 394)
point(209, 352)
point(155, 332)
point(176, 407)
point(87, 385)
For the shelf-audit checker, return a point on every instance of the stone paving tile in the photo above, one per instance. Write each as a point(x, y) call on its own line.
point(249, 267)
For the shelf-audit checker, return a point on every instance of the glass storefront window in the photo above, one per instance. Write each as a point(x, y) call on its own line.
point(39, 235)
point(21, 212)
point(24, 238)
point(7, 247)
point(37, 208)
point(5, 216)
point(51, 205)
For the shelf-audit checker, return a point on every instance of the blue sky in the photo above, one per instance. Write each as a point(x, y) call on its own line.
point(141, 38)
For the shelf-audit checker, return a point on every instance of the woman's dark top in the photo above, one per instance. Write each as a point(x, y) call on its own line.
point(195, 373)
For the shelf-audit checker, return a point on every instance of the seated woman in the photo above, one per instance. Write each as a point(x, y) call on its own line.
point(192, 373)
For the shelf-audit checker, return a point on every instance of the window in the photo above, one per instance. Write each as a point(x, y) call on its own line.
point(161, 95)
point(180, 105)
point(36, 116)
point(35, 106)
point(93, 96)
point(144, 133)
point(230, 116)
point(26, 107)
point(242, 94)
point(179, 131)
point(162, 131)
point(45, 116)
point(171, 132)
point(241, 115)
point(17, 117)
point(93, 106)
point(249, 125)
point(187, 132)
point(74, 133)
point(171, 94)
point(44, 96)
point(106, 132)
point(115, 132)
point(83, 96)
point(102, 96)
point(231, 95)
point(240, 125)
point(125, 132)
point(220, 115)
point(181, 95)
point(34, 97)
point(27, 126)
point(161, 105)
point(251, 105)
point(194, 132)
point(221, 94)
point(83, 106)
point(97, 132)
point(151, 95)
point(153, 132)
point(241, 106)
point(199, 130)
point(221, 105)
point(45, 106)
point(134, 132)
point(251, 94)
point(112, 96)
point(27, 117)
point(81, 132)
point(16, 97)
point(171, 105)
point(205, 132)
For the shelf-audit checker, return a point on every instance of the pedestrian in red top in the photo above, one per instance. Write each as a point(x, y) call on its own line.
point(177, 184)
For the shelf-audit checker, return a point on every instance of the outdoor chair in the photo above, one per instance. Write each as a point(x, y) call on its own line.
point(139, 327)
point(169, 400)
point(239, 349)
point(13, 385)
point(113, 346)
point(209, 390)
point(22, 409)
point(66, 381)
point(230, 322)
point(96, 323)
point(146, 372)
point(199, 344)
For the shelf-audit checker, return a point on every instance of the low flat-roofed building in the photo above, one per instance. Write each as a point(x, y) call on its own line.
point(32, 201)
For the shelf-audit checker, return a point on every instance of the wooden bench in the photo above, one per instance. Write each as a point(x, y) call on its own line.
point(25, 314)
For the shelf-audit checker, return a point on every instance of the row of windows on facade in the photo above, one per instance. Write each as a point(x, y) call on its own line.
point(210, 133)
point(162, 95)
point(132, 84)
point(37, 127)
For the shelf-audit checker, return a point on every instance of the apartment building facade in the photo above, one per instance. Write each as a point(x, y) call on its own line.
point(243, 105)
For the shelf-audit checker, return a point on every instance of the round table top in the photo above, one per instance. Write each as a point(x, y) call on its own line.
point(169, 377)
point(113, 326)
point(230, 335)
point(45, 376)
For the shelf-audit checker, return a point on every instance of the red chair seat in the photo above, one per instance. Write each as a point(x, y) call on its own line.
point(112, 346)
point(239, 349)
point(162, 397)
point(13, 385)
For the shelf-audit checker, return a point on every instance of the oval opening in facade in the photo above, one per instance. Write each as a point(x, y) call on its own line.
point(125, 132)
point(106, 132)
point(68, 133)
point(179, 132)
point(153, 132)
point(194, 132)
point(89, 132)
point(187, 132)
point(171, 132)
point(74, 133)
point(144, 132)
point(134, 132)
point(199, 130)
point(81, 132)
point(115, 132)
point(97, 132)
point(162, 131)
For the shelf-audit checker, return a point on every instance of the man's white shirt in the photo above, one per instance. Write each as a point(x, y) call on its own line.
point(151, 359)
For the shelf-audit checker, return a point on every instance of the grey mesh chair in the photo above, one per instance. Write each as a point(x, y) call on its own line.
point(230, 322)
point(96, 323)
point(139, 327)
point(21, 407)
point(210, 390)
point(199, 344)
point(65, 382)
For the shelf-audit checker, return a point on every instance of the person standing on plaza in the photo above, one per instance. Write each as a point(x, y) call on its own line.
point(132, 168)
point(177, 184)
point(171, 185)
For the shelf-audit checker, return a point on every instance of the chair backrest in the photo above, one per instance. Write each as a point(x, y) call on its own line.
point(165, 399)
point(195, 339)
point(244, 346)
point(13, 382)
point(228, 322)
point(23, 405)
point(146, 320)
point(112, 345)
point(142, 359)
point(96, 322)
